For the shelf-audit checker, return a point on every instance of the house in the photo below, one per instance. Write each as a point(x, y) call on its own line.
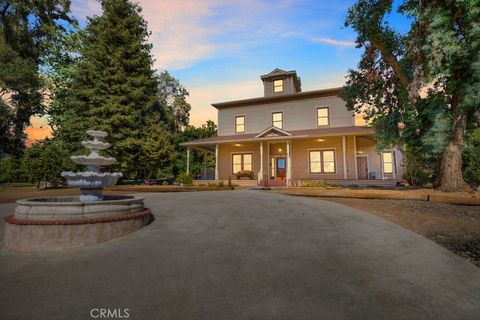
point(290, 137)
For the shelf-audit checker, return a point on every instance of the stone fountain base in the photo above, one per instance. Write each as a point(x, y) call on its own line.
point(45, 224)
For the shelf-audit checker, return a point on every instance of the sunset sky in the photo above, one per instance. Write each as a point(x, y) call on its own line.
point(219, 48)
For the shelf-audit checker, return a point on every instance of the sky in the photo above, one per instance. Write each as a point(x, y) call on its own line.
point(219, 48)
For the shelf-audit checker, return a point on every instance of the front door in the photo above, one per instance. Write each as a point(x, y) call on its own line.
point(281, 168)
point(362, 168)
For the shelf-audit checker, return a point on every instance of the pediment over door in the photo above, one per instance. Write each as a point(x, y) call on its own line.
point(273, 132)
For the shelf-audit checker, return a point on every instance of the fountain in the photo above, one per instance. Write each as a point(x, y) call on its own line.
point(92, 181)
point(52, 223)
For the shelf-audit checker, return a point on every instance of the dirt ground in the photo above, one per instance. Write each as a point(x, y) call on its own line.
point(455, 227)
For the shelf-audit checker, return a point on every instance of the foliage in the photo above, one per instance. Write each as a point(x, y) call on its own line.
point(155, 152)
point(175, 111)
point(44, 161)
point(27, 28)
point(245, 174)
point(197, 158)
point(185, 178)
point(114, 88)
point(10, 170)
point(437, 56)
point(471, 159)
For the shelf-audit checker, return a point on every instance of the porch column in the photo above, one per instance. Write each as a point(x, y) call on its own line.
point(394, 162)
point(260, 173)
point(344, 147)
point(216, 162)
point(355, 156)
point(289, 162)
point(205, 165)
point(188, 160)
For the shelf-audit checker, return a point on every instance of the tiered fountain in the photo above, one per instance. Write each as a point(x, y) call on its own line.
point(41, 224)
point(92, 181)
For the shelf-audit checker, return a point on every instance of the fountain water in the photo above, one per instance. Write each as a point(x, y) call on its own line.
point(53, 223)
point(92, 181)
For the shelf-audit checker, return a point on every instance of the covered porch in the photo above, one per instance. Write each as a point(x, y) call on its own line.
point(345, 156)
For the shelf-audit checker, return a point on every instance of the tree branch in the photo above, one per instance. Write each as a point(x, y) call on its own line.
point(392, 61)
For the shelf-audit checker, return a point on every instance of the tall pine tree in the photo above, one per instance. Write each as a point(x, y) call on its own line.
point(114, 88)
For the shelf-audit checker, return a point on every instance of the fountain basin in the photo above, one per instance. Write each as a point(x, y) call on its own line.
point(71, 208)
point(48, 235)
point(93, 160)
point(91, 179)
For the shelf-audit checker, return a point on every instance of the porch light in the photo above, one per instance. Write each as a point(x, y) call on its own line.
point(360, 152)
point(279, 149)
point(238, 145)
point(320, 140)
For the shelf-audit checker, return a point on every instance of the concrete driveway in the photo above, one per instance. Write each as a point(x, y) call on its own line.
point(246, 255)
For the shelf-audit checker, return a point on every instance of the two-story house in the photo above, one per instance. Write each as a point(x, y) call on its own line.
point(290, 137)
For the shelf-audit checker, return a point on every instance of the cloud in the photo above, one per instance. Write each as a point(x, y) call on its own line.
point(338, 43)
point(202, 96)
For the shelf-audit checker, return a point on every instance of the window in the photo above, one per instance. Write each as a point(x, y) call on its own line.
point(277, 119)
point(322, 161)
point(387, 162)
point(240, 124)
point(242, 161)
point(323, 117)
point(278, 86)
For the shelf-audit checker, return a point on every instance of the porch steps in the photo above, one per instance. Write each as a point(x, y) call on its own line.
point(273, 183)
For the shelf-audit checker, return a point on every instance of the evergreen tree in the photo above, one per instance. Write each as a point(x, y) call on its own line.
point(114, 88)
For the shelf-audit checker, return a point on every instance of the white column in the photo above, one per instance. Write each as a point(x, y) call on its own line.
point(344, 147)
point(188, 160)
point(260, 173)
point(355, 156)
point(394, 162)
point(289, 162)
point(216, 162)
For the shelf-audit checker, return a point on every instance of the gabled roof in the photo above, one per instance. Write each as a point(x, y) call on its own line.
point(273, 132)
point(278, 72)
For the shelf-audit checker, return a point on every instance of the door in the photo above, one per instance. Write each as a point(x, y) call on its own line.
point(281, 168)
point(362, 168)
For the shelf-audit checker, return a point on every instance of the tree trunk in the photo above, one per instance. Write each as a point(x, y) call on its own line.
point(451, 178)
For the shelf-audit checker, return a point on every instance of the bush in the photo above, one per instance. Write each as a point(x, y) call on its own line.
point(246, 174)
point(10, 170)
point(471, 159)
point(185, 178)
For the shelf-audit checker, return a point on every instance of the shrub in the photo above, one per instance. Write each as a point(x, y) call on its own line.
point(246, 174)
point(471, 159)
point(185, 178)
point(10, 170)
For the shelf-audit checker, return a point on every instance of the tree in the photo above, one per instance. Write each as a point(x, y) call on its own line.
point(440, 52)
point(44, 161)
point(197, 158)
point(114, 87)
point(156, 151)
point(26, 29)
point(172, 98)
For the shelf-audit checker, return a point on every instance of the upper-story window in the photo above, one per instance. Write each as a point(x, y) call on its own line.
point(277, 119)
point(323, 117)
point(278, 86)
point(239, 124)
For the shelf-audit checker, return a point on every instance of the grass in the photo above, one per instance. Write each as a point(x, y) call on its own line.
point(321, 185)
point(16, 185)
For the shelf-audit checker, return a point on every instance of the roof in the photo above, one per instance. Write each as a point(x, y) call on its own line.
point(296, 134)
point(278, 72)
point(281, 98)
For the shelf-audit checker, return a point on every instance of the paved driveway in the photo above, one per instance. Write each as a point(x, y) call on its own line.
point(246, 255)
